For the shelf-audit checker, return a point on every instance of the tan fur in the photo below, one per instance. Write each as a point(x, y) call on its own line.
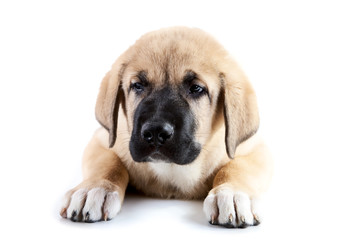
point(226, 125)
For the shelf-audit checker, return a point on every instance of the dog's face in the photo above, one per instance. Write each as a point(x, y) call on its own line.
point(164, 125)
point(171, 99)
point(176, 88)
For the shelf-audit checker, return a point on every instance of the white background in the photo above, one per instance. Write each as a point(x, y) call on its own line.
point(303, 58)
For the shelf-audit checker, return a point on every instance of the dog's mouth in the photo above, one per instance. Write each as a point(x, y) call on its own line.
point(155, 154)
point(157, 157)
point(182, 154)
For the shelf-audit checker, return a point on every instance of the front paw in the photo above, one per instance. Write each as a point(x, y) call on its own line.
point(91, 202)
point(227, 207)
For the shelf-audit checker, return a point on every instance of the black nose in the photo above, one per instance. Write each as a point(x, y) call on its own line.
point(157, 133)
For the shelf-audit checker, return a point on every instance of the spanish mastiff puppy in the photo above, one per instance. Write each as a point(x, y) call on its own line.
point(179, 120)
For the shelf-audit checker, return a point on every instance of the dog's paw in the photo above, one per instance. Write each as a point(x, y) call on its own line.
point(91, 203)
point(226, 207)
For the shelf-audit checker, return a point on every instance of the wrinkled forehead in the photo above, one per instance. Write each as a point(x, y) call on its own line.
point(171, 63)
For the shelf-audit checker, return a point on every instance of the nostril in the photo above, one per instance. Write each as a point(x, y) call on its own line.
point(166, 133)
point(148, 136)
point(163, 137)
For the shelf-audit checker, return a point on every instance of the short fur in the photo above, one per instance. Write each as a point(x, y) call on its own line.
point(232, 154)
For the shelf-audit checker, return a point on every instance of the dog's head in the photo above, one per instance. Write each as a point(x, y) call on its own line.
point(176, 87)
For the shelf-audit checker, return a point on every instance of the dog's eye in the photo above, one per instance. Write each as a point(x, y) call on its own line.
point(137, 87)
point(196, 90)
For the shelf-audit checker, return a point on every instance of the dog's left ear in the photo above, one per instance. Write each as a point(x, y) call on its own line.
point(240, 108)
point(109, 99)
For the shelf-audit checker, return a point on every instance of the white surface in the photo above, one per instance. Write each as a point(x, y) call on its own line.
point(303, 59)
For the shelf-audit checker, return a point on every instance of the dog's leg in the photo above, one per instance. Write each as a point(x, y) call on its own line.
point(100, 195)
point(237, 187)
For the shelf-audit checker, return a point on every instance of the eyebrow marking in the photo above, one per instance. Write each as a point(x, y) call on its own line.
point(190, 76)
point(142, 76)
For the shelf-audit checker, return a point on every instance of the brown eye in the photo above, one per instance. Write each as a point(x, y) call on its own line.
point(196, 90)
point(137, 87)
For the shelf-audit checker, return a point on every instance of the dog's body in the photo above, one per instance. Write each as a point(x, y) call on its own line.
point(179, 119)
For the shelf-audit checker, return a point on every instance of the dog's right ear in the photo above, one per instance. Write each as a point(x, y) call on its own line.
point(108, 101)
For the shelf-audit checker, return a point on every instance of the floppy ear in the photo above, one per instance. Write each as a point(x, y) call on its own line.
point(240, 109)
point(108, 101)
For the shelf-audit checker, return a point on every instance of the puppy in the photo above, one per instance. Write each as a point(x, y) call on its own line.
point(179, 120)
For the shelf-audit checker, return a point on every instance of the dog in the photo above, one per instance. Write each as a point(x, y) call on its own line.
point(179, 119)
